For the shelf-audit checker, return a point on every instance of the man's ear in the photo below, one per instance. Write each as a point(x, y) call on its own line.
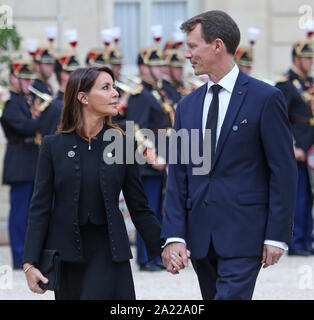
point(219, 45)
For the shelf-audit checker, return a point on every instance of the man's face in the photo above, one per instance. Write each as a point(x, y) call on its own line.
point(245, 69)
point(151, 74)
point(65, 75)
point(199, 52)
point(157, 72)
point(116, 69)
point(20, 85)
point(177, 74)
point(305, 64)
point(45, 69)
point(166, 70)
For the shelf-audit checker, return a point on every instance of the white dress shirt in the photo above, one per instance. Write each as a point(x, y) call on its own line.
point(227, 83)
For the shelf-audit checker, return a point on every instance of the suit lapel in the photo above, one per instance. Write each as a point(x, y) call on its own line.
point(237, 98)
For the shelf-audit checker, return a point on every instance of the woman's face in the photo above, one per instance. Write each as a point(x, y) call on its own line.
point(103, 97)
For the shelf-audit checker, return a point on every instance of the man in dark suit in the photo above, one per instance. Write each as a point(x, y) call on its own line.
point(237, 215)
point(297, 86)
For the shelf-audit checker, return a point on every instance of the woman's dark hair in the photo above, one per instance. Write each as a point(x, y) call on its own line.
point(216, 24)
point(81, 80)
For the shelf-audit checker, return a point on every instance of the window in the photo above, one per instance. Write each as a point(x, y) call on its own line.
point(135, 17)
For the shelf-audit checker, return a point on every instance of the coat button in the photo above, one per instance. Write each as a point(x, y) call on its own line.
point(71, 154)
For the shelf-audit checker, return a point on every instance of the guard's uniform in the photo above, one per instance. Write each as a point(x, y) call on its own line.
point(299, 92)
point(144, 108)
point(43, 55)
point(50, 117)
point(174, 58)
point(244, 59)
point(19, 161)
point(114, 58)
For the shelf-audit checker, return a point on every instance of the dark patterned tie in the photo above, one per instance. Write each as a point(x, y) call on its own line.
point(212, 118)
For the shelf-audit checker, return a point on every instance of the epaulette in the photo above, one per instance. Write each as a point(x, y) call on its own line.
point(137, 90)
point(282, 79)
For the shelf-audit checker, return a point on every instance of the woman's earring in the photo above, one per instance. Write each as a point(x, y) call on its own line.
point(86, 102)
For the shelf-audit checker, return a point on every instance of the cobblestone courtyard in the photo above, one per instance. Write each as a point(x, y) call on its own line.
point(291, 279)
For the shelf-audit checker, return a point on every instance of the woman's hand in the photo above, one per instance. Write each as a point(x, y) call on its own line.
point(33, 276)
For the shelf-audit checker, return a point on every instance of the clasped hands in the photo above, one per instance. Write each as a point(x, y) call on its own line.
point(175, 256)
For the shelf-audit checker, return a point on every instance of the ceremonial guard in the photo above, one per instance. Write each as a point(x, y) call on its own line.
point(95, 58)
point(20, 122)
point(64, 64)
point(244, 59)
point(44, 67)
point(297, 86)
point(244, 55)
point(173, 82)
point(146, 108)
point(115, 59)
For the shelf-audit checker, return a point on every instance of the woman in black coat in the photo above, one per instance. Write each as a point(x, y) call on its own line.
point(75, 205)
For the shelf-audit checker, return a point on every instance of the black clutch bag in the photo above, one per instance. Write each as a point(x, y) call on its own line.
point(50, 266)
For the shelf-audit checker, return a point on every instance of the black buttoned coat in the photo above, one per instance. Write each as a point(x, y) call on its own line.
point(58, 181)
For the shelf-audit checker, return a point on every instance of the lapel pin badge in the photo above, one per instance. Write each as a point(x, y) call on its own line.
point(71, 154)
point(235, 128)
point(239, 92)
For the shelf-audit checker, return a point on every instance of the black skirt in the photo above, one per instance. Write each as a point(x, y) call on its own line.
point(98, 277)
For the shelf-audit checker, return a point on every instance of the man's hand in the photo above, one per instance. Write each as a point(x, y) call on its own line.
point(271, 255)
point(35, 108)
point(159, 163)
point(175, 257)
point(299, 154)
